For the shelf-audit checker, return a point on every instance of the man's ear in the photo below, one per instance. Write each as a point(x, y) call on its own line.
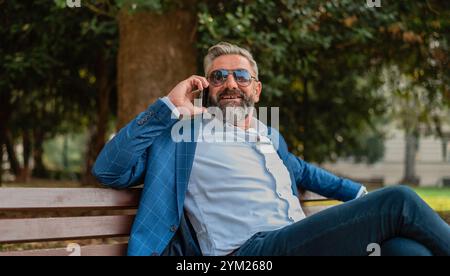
point(257, 91)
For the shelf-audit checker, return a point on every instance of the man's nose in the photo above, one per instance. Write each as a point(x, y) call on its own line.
point(230, 82)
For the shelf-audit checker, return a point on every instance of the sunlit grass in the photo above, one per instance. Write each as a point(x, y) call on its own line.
point(437, 198)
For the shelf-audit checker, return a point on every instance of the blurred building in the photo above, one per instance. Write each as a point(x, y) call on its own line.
point(432, 162)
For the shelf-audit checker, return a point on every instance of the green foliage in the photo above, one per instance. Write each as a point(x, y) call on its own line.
point(54, 149)
point(48, 60)
point(111, 8)
point(153, 5)
point(368, 149)
point(320, 61)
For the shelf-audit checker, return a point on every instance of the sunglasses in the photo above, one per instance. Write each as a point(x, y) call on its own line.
point(241, 76)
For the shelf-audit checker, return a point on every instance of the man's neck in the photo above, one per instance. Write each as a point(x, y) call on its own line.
point(246, 123)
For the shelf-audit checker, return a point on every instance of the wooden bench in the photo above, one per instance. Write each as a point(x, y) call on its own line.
point(67, 215)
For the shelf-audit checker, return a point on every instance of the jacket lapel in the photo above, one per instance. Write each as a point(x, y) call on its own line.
point(185, 153)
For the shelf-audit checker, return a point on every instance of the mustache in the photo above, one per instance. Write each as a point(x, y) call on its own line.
point(231, 92)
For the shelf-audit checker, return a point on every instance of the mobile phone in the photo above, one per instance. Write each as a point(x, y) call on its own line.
point(205, 97)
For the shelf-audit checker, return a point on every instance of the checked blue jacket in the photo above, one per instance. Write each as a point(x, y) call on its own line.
point(144, 151)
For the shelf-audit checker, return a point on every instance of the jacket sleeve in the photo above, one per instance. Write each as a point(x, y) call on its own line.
point(320, 181)
point(122, 162)
point(313, 178)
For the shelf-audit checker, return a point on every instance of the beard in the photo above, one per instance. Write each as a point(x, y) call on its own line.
point(234, 104)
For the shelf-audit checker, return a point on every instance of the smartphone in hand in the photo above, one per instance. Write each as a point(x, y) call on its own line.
point(204, 95)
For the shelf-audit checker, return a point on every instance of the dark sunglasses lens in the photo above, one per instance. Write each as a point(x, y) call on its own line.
point(242, 76)
point(218, 76)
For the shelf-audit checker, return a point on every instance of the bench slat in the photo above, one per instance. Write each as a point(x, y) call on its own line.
point(53, 198)
point(46, 229)
point(91, 250)
point(310, 196)
point(311, 210)
point(57, 198)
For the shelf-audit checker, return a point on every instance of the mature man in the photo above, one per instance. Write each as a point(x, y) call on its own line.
point(211, 196)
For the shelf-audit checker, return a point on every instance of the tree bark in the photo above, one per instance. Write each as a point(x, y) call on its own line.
point(306, 128)
point(26, 141)
point(65, 153)
point(39, 169)
point(445, 155)
point(24, 175)
point(155, 53)
point(5, 114)
point(1, 161)
point(97, 133)
point(411, 144)
point(12, 156)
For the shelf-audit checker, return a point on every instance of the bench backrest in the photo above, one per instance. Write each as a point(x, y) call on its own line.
point(70, 214)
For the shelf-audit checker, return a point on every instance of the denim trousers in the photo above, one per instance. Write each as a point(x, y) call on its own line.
point(395, 219)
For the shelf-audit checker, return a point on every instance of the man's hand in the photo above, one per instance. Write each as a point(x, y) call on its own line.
point(182, 97)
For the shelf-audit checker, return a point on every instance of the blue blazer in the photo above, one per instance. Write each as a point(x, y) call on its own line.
point(143, 151)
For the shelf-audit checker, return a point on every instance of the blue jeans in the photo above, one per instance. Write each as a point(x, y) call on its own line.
point(395, 218)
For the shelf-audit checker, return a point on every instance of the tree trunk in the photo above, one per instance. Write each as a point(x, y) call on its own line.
point(1, 161)
point(38, 152)
point(156, 52)
point(411, 145)
point(26, 140)
point(12, 156)
point(445, 153)
point(5, 113)
point(65, 153)
point(306, 128)
point(97, 133)
point(25, 175)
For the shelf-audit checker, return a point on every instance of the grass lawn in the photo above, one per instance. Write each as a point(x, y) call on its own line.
point(437, 198)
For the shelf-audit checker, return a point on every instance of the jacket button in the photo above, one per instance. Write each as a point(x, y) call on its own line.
point(173, 228)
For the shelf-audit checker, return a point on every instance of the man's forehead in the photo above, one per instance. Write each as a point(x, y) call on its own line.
point(231, 62)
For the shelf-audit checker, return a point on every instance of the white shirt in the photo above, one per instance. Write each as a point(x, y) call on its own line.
point(237, 189)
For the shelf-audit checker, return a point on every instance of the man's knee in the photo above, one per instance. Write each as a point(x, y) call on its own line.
point(399, 246)
point(403, 193)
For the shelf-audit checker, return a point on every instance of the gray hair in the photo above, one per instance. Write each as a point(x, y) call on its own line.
point(225, 48)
